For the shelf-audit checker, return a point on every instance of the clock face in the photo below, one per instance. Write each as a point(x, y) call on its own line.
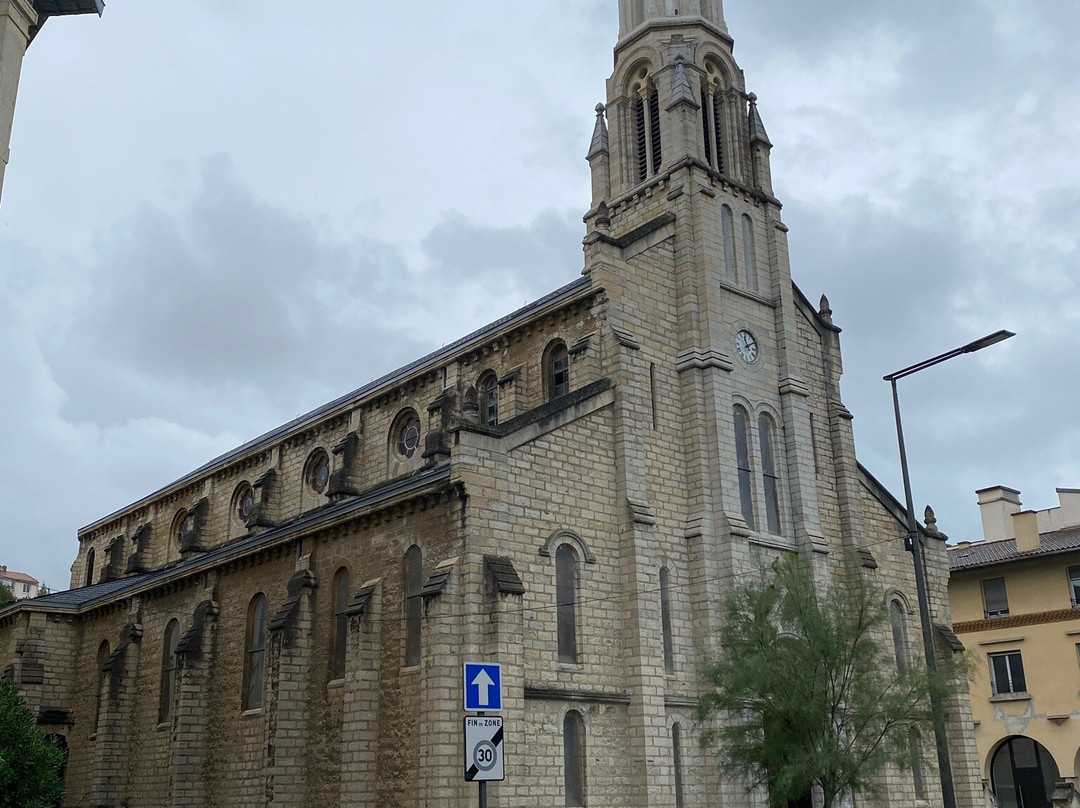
point(747, 346)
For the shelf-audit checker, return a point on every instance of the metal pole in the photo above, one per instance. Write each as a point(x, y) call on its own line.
point(948, 796)
point(483, 794)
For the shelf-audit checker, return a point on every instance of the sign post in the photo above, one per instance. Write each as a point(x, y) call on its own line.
point(483, 733)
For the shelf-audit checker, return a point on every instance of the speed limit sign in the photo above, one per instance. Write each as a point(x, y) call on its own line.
point(483, 749)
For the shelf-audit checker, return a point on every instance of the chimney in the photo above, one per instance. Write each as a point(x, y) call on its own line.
point(1026, 524)
point(1069, 498)
point(997, 506)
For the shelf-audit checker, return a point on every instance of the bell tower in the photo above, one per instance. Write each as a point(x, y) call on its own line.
point(633, 13)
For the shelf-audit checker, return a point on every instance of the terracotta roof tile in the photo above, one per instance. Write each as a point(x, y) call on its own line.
point(986, 554)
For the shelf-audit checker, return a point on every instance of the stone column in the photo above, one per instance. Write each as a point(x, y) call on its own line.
point(360, 713)
point(191, 708)
point(288, 670)
point(16, 19)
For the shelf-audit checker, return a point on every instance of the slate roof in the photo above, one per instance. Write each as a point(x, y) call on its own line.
point(89, 596)
point(56, 8)
point(987, 554)
point(434, 358)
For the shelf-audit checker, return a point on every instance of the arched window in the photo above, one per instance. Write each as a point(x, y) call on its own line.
point(89, 567)
point(573, 759)
point(647, 145)
point(676, 759)
point(749, 254)
point(255, 656)
point(899, 636)
point(414, 604)
point(915, 751)
point(767, 437)
point(742, 456)
point(712, 114)
point(168, 670)
point(317, 471)
point(340, 629)
point(727, 220)
point(557, 370)
point(488, 394)
point(405, 434)
point(102, 658)
point(665, 621)
point(566, 584)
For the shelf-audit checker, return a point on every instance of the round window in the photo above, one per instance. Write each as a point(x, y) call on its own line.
point(319, 473)
point(408, 436)
point(245, 502)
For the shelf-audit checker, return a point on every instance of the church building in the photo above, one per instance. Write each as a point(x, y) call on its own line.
point(570, 491)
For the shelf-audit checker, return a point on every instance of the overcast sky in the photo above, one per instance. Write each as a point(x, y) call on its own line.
point(219, 215)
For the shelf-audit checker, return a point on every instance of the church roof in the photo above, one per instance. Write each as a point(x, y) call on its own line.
point(89, 596)
point(435, 359)
point(57, 8)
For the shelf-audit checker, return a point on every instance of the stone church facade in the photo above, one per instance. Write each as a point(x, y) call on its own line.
point(570, 491)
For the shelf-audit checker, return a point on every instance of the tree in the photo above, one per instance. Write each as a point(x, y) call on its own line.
point(6, 595)
point(804, 692)
point(29, 762)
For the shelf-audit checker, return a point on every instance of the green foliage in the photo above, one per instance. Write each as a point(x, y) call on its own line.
point(29, 762)
point(804, 691)
point(6, 595)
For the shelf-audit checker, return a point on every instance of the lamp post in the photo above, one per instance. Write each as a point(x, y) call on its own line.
point(948, 795)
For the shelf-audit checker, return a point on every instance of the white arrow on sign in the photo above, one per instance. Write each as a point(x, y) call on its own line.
point(483, 683)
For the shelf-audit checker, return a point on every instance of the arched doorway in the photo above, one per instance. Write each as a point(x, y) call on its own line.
point(1024, 774)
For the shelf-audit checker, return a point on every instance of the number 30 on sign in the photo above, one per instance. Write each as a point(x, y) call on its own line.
point(483, 749)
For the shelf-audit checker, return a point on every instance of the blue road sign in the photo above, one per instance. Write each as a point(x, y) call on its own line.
point(483, 686)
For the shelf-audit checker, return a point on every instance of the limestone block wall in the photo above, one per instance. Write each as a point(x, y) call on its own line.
point(278, 471)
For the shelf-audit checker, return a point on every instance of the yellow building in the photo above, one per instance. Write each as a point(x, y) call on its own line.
point(1015, 598)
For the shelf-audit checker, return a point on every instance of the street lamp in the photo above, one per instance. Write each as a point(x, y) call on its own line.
point(948, 795)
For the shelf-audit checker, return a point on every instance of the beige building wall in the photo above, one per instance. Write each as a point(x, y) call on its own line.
point(1042, 625)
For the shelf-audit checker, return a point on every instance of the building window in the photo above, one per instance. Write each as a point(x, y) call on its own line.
point(915, 752)
point(995, 599)
point(557, 370)
point(566, 585)
point(243, 502)
point(899, 636)
point(1074, 585)
point(405, 435)
point(742, 455)
point(317, 472)
point(665, 620)
point(26, 589)
point(647, 133)
point(255, 656)
point(414, 604)
point(89, 567)
point(712, 116)
point(767, 438)
point(749, 255)
point(727, 221)
point(168, 670)
point(676, 759)
point(1007, 673)
point(340, 629)
point(573, 759)
point(488, 390)
point(102, 658)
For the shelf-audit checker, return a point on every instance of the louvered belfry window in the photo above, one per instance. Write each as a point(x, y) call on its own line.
point(712, 116)
point(647, 139)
